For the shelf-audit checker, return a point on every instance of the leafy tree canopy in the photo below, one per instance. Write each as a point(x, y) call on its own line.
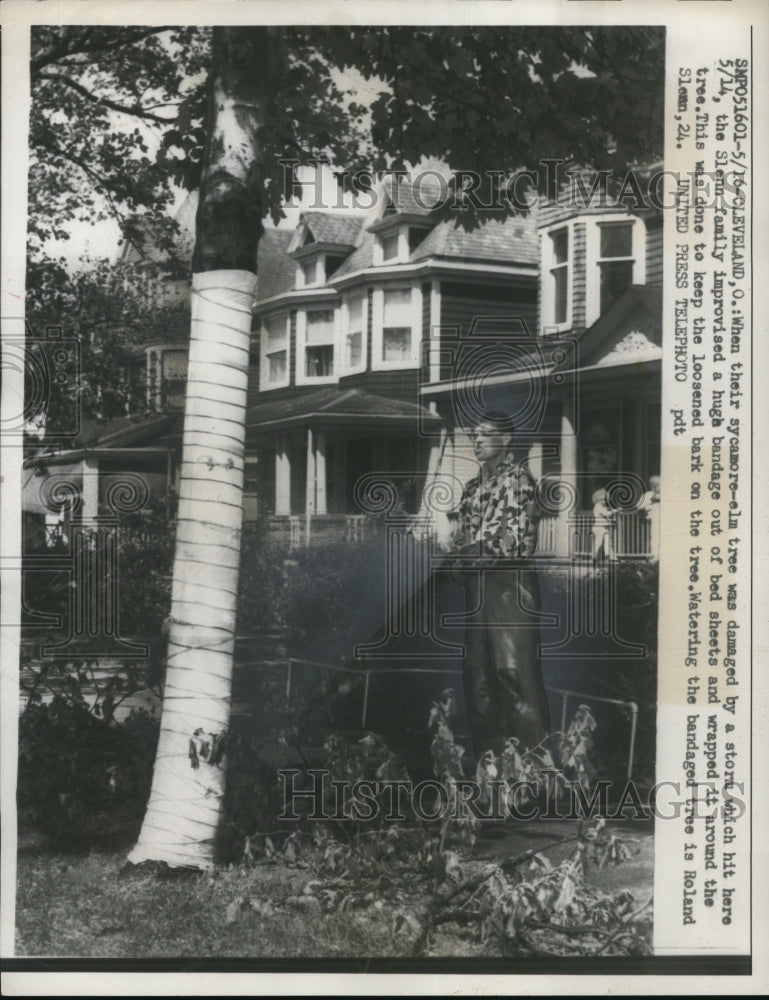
point(118, 113)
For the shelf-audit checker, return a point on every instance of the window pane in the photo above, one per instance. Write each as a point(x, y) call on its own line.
point(355, 307)
point(560, 288)
point(319, 361)
point(277, 366)
point(310, 270)
point(320, 326)
point(354, 352)
point(333, 263)
point(396, 343)
point(560, 241)
point(617, 240)
point(397, 308)
point(390, 246)
point(415, 238)
point(275, 332)
point(615, 278)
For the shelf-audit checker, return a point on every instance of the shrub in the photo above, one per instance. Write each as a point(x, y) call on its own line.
point(81, 776)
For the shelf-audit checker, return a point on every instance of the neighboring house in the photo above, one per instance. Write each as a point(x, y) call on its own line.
point(146, 439)
point(582, 382)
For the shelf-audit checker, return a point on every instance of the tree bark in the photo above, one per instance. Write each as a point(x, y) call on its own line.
point(188, 780)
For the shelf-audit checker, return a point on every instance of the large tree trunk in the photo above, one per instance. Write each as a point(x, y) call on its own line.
point(188, 780)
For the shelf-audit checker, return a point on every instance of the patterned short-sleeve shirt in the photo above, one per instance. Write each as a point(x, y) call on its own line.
point(500, 512)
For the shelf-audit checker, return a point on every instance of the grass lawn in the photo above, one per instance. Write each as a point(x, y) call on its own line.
point(71, 904)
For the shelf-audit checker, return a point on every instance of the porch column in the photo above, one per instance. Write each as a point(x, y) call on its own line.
point(320, 473)
point(89, 509)
point(435, 332)
point(282, 477)
point(535, 460)
point(309, 497)
point(569, 476)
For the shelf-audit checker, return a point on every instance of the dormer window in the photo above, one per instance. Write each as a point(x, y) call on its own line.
point(390, 246)
point(333, 263)
point(310, 271)
point(415, 237)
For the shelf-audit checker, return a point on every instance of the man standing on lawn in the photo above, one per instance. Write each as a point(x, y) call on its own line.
point(497, 523)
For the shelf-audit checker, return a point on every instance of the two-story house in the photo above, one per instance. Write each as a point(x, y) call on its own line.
point(346, 308)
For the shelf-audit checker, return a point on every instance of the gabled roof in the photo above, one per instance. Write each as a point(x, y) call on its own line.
point(631, 326)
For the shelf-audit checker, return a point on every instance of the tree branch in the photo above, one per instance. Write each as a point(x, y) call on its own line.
point(65, 49)
point(137, 111)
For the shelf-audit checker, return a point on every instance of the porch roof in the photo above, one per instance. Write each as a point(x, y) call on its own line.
point(332, 405)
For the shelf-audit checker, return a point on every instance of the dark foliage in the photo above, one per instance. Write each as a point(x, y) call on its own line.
point(82, 778)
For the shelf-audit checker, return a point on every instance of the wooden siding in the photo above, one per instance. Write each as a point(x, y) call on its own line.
point(578, 262)
point(462, 304)
point(654, 251)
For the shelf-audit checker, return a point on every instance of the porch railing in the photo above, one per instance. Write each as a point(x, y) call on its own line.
point(627, 535)
point(293, 529)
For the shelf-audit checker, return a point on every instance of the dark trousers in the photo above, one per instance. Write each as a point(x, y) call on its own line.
point(504, 689)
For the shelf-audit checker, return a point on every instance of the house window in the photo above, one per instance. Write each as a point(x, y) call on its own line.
point(174, 378)
point(390, 246)
point(615, 262)
point(310, 271)
point(397, 326)
point(353, 341)
point(319, 344)
point(615, 259)
point(275, 352)
point(333, 263)
point(415, 238)
point(556, 278)
point(560, 274)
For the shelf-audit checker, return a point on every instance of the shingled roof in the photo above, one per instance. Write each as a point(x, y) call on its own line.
point(361, 258)
point(333, 227)
point(512, 241)
point(275, 270)
point(333, 406)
